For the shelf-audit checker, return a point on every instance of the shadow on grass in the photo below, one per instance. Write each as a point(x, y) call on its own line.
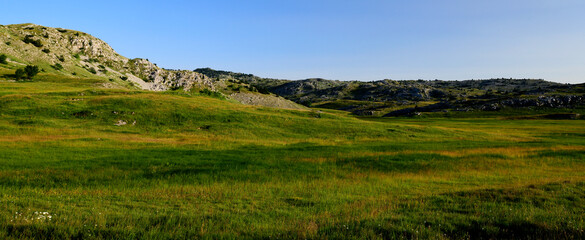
point(412, 163)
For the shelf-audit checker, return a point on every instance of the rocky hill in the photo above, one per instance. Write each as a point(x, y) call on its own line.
point(400, 98)
point(73, 53)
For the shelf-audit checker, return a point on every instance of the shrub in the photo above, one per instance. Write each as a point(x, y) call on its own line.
point(57, 66)
point(124, 78)
point(8, 43)
point(36, 43)
point(92, 70)
point(19, 73)
point(31, 71)
point(3, 59)
point(210, 93)
point(46, 50)
point(61, 58)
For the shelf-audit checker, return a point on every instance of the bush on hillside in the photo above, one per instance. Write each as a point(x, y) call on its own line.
point(92, 70)
point(36, 43)
point(19, 74)
point(57, 66)
point(3, 59)
point(210, 93)
point(31, 71)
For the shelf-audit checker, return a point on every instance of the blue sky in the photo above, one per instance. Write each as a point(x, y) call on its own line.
point(343, 39)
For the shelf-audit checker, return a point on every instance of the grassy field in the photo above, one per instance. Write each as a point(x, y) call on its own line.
point(81, 161)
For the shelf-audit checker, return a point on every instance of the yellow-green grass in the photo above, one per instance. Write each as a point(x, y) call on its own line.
point(186, 166)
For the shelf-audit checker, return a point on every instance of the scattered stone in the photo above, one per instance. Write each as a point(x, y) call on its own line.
point(120, 123)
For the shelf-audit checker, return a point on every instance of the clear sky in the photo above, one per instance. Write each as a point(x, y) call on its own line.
point(335, 39)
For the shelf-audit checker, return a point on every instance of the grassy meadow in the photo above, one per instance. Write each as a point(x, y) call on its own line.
point(81, 161)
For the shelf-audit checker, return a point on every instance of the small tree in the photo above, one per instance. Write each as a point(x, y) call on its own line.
point(31, 71)
point(19, 74)
point(3, 59)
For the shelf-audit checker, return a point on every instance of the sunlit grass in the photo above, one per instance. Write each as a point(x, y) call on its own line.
point(186, 166)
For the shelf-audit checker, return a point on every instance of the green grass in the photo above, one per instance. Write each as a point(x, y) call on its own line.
point(188, 166)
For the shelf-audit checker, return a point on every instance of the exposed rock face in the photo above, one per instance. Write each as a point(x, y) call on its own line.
point(87, 55)
point(565, 101)
point(158, 79)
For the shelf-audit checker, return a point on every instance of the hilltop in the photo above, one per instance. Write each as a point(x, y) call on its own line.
point(73, 53)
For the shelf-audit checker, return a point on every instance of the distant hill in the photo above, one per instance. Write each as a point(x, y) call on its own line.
point(410, 97)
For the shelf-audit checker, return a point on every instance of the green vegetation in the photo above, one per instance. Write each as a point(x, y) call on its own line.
point(19, 73)
point(27, 72)
point(31, 71)
point(214, 94)
point(36, 43)
point(85, 157)
point(3, 58)
point(57, 66)
point(84, 162)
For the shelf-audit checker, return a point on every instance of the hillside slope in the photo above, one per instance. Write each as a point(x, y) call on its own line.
point(76, 54)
